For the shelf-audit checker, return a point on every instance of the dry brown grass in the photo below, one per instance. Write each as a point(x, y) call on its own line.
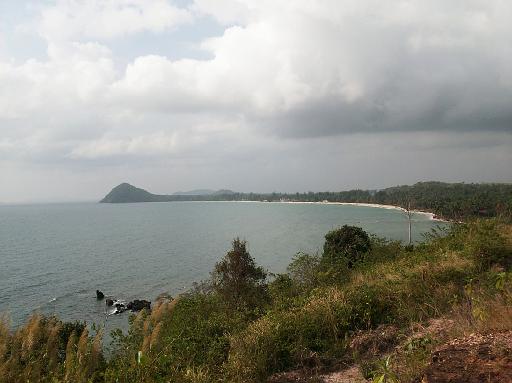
point(153, 324)
point(35, 353)
point(506, 231)
point(486, 315)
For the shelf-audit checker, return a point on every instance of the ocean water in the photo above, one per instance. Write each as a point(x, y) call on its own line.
point(53, 257)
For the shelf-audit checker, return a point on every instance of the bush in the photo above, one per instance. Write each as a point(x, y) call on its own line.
point(238, 279)
point(346, 245)
point(304, 269)
point(283, 289)
point(180, 341)
point(487, 246)
point(318, 326)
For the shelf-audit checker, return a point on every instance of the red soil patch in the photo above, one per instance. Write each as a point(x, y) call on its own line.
point(473, 359)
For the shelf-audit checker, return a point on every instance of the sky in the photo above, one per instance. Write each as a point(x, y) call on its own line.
point(266, 95)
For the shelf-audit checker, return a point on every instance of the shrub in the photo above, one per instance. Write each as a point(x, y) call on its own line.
point(238, 279)
point(282, 339)
point(346, 245)
point(283, 289)
point(304, 269)
point(65, 331)
point(487, 246)
point(179, 341)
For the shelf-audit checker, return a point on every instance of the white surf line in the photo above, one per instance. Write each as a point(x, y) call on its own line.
point(430, 215)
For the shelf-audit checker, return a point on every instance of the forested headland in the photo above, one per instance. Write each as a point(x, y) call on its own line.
point(452, 201)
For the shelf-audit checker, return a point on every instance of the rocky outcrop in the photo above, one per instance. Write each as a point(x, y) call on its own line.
point(138, 305)
point(133, 306)
point(122, 306)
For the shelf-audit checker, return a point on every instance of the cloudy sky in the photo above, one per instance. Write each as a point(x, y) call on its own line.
point(266, 95)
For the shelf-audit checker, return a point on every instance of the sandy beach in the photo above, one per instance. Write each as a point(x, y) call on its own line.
point(431, 216)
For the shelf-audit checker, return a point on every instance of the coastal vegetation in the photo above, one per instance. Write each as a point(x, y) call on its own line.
point(364, 302)
point(451, 201)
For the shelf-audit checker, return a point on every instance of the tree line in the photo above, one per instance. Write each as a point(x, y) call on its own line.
point(455, 201)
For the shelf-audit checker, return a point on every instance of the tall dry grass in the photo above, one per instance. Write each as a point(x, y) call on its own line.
point(41, 351)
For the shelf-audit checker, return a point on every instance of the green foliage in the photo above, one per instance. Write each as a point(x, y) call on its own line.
point(182, 340)
point(240, 329)
point(420, 343)
point(283, 289)
point(455, 201)
point(346, 246)
point(487, 245)
point(303, 270)
point(238, 280)
point(391, 285)
point(65, 331)
point(384, 373)
point(383, 250)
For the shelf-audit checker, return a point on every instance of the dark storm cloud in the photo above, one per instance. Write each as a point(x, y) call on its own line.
point(468, 98)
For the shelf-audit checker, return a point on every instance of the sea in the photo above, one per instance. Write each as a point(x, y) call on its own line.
point(53, 257)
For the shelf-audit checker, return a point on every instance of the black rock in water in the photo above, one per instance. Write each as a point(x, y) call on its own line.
point(99, 295)
point(120, 307)
point(139, 304)
point(135, 305)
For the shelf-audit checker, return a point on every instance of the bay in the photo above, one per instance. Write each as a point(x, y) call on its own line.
point(53, 257)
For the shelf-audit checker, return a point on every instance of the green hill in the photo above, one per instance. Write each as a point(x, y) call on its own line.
point(125, 193)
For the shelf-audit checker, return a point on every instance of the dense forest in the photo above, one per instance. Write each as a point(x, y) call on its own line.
point(454, 201)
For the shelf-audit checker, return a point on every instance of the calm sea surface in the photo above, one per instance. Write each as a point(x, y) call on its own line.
point(53, 257)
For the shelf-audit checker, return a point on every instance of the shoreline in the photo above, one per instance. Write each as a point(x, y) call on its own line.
point(430, 215)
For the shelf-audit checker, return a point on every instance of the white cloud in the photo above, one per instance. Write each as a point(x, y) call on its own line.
point(71, 20)
point(154, 144)
point(74, 73)
point(225, 11)
point(367, 65)
point(321, 71)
